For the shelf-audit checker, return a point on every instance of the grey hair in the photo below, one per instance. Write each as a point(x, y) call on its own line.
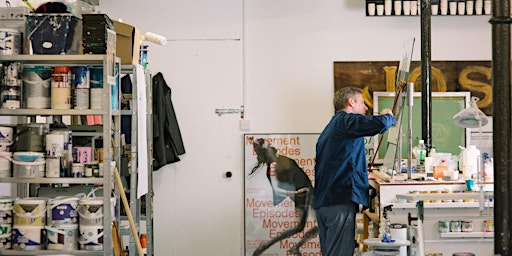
point(342, 95)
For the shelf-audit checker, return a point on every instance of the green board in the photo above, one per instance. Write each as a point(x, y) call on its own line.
point(446, 136)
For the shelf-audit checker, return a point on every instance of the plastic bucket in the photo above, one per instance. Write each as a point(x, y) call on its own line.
point(6, 204)
point(90, 211)
point(6, 135)
point(5, 164)
point(10, 41)
point(29, 212)
point(36, 87)
point(27, 238)
point(5, 241)
point(28, 169)
point(63, 211)
point(28, 156)
point(63, 238)
point(91, 238)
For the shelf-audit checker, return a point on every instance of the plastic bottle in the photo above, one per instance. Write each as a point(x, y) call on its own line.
point(422, 153)
point(470, 161)
point(488, 166)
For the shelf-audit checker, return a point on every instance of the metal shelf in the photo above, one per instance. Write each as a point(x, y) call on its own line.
point(53, 180)
point(468, 235)
point(49, 252)
point(88, 59)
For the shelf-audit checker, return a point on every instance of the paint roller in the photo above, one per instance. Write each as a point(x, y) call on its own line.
point(154, 38)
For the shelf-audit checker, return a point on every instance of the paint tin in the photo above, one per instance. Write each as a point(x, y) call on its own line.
point(5, 164)
point(90, 211)
point(30, 137)
point(6, 136)
point(62, 238)
point(455, 226)
point(81, 77)
point(81, 98)
point(53, 166)
point(91, 238)
point(96, 74)
point(61, 77)
point(61, 98)
point(27, 238)
point(96, 98)
point(467, 226)
point(10, 41)
point(489, 225)
point(78, 170)
point(11, 86)
point(62, 211)
point(6, 205)
point(28, 169)
point(5, 241)
point(444, 226)
point(82, 155)
point(36, 87)
point(29, 211)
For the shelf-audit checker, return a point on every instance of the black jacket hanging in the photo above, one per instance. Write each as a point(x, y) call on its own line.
point(167, 141)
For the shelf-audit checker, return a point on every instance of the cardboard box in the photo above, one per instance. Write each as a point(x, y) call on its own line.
point(127, 43)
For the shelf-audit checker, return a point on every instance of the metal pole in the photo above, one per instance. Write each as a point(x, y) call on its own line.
point(426, 76)
point(500, 21)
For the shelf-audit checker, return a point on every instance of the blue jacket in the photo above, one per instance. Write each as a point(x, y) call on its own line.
point(341, 171)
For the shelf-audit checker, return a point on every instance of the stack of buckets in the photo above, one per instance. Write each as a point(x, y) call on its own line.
point(90, 210)
point(6, 140)
point(6, 204)
point(29, 221)
point(62, 224)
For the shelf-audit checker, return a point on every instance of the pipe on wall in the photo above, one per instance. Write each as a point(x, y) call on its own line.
point(501, 109)
point(426, 75)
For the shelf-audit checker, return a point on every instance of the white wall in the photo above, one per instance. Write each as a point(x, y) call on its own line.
point(274, 57)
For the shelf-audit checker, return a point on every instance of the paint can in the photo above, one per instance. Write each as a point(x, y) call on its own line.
point(61, 98)
point(90, 211)
point(91, 238)
point(6, 136)
point(11, 86)
point(96, 99)
point(62, 237)
point(5, 241)
point(78, 170)
point(52, 167)
point(61, 77)
point(30, 211)
point(5, 164)
point(27, 238)
point(96, 74)
point(81, 98)
point(36, 87)
point(30, 137)
point(28, 169)
point(10, 41)
point(81, 76)
point(6, 205)
point(62, 211)
point(55, 143)
point(82, 155)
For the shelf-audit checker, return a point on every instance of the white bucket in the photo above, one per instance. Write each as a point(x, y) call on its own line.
point(10, 41)
point(6, 204)
point(28, 169)
point(6, 135)
point(63, 238)
point(27, 156)
point(30, 211)
point(55, 144)
point(53, 167)
point(63, 211)
point(5, 164)
point(91, 238)
point(91, 211)
point(27, 238)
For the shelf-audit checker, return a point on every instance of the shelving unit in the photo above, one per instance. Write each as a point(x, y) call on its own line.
point(111, 122)
point(135, 203)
